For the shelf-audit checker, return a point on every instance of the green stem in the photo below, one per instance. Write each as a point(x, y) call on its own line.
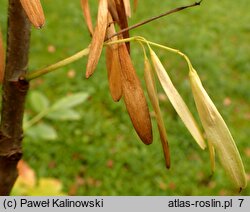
point(36, 119)
point(48, 69)
point(143, 48)
point(121, 41)
point(176, 51)
point(141, 39)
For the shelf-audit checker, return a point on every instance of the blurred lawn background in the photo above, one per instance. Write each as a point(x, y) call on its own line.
point(101, 154)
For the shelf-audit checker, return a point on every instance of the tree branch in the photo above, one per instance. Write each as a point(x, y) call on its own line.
point(154, 18)
point(13, 95)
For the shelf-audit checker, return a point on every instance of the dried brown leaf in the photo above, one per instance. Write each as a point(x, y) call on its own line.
point(26, 174)
point(113, 65)
point(2, 58)
point(87, 15)
point(98, 38)
point(34, 11)
point(152, 93)
point(134, 98)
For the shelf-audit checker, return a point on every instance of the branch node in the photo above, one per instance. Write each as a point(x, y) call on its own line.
point(198, 3)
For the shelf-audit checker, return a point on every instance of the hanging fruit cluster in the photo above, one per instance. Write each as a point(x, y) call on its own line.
point(124, 83)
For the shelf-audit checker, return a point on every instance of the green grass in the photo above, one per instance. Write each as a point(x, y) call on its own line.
point(101, 154)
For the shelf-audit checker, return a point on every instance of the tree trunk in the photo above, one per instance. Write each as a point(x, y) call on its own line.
point(13, 95)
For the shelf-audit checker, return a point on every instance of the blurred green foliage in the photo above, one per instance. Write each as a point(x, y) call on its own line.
point(36, 123)
point(100, 154)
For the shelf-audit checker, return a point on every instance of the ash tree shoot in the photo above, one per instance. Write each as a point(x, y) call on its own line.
point(124, 85)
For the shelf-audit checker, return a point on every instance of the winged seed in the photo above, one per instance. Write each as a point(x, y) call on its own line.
point(34, 11)
point(152, 93)
point(98, 38)
point(134, 98)
point(87, 16)
point(177, 101)
point(218, 133)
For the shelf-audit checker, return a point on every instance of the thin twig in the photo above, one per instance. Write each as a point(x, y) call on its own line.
point(154, 18)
